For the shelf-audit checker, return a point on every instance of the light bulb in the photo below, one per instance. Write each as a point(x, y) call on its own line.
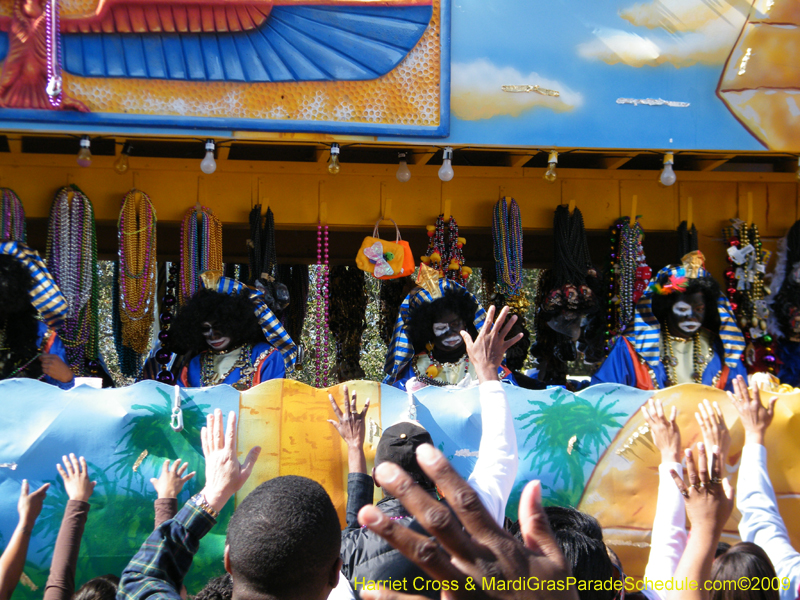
point(121, 164)
point(85, 154)
point(667, 174)
point(446, 170)
point(403, 172)
point(333, 164)
point(552, 160)
point(208, 165)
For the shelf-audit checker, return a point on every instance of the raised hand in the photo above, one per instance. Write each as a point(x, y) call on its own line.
point(352, 424)
point(30, 504)
point(755, 418)
point(224, 474)
point(76, 478)
point(171, 481)
point(54, 367)
point(665, 432)
point(465, 555)
point(488, 349)
point(715, 431)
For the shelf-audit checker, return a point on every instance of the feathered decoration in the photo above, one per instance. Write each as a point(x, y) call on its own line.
point(676, 284)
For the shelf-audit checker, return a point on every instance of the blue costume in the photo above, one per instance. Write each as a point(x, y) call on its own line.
point(265, 363)
point(636, 359)
point(53, 345)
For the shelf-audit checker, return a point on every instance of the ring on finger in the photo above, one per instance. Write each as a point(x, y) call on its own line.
point(685, 493)
point(699, 486)
point(715, 480)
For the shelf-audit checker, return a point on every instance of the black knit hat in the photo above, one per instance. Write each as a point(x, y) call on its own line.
point(398, 445)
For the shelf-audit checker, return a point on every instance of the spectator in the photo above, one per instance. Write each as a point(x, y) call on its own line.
point(12, 561)
point(761, 521)
point(365, 555)
point(168, 485)
point(709, 503)
point(283, 539)
point(478, 549)
point(745, 560)
point(219, 588)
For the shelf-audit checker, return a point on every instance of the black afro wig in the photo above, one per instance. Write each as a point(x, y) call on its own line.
point(18, 318)
point(421, 318)
point(663, 303)
point(233, 314)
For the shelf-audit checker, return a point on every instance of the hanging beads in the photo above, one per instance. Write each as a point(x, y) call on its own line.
point(321, 331)
point(12, 217)
point(507, 237)
point(164, 354)
point(201, 248)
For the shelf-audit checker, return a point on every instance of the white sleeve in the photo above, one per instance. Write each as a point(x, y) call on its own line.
point(496, 468)
point(668, 537)
point(761, 521)
point(342, 591)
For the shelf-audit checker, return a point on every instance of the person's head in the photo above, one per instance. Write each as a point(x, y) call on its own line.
point(215, 321)
point(99, 588)
point(566, 517)
point(398, 444)
point(15, 285)
point(283, 541)
point(219, 588)
point(744, 559)
point(18, 322)
point(440, 322)
point(688, 307)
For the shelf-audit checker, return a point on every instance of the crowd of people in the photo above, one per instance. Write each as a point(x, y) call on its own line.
point(435, 534)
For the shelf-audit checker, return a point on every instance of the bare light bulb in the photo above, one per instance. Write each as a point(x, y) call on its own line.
point(550, 174)
point(403, 172)
point(446, 170)
point(208, 165)
point(121, 164)
point(85, 154)
point(333, 164)
point(668, 176)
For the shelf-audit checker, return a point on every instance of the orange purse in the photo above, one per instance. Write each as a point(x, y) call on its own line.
point(385, 259)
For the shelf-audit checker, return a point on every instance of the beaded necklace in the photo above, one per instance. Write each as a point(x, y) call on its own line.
point(244, 362)
point(12, 217)
point(671, 362)
point(72, 261)
point(435, 369)
point(507, 237)
point(53, 49)
point(201, 248)
point(321, 333)
point(129, 360)
point(137, 274)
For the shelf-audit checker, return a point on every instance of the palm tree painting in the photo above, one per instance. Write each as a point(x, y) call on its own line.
point(566, 437)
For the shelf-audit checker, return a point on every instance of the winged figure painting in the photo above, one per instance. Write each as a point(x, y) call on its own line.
point(250, 41)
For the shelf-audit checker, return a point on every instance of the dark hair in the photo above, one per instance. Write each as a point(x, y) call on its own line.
point(284, 538)
point(219, 588)
point(18, 316)
point(566, 517)
point(99, 588)
point(589, 561)
point(722, 548)
point(663, 303)
point(788, 296)
point(421, 318)
point(744, 559)
point(234, 314)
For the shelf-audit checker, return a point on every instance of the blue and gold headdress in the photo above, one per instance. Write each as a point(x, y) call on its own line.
point(400, 349)
point(646, 336)
point(45, 295)
point(270, 325)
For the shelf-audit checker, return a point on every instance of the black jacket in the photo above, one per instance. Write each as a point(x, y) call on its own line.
point(368, 557)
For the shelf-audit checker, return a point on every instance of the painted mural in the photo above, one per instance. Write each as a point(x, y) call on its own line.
point(679, 74)
point(589, 449)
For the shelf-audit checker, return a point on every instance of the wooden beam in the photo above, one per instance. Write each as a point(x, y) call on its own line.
point(223, 151)
point(520, 160)
point(421, 155)
point(322, 155)
point(15, 144)
point(708, 164)
point(612, 163)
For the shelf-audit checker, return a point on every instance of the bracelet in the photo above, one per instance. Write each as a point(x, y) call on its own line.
point(199, 500)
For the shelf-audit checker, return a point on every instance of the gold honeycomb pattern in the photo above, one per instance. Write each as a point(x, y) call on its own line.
point(408, 95)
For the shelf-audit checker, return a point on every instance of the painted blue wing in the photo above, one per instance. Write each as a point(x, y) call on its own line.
point(296, 43)
point(3, 45)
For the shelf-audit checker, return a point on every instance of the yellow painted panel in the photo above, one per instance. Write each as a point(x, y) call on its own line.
point(657, 204)
point(598, 200)
point(752, 199)
point(289, 420)
point(781, 208)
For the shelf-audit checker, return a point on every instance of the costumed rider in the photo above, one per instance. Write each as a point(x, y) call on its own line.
point(30, 347)
point(427, 347)
point(236, 338)
point(684, 331)
point(784, 302)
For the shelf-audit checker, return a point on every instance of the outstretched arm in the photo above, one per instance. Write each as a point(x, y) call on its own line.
point(761, 521)
point(12, 560)
point(61, 581)
point(168, 485)
point(498, 458)
point(158, 569)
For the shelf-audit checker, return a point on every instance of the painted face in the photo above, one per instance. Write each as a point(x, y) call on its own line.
point(687, 315)
point(568, 323)
point(447, 332)
point(214, 337)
